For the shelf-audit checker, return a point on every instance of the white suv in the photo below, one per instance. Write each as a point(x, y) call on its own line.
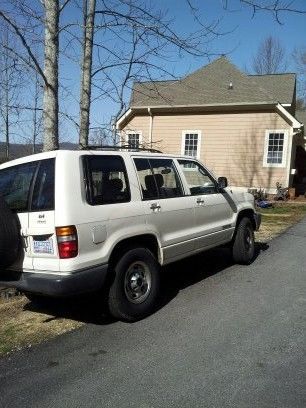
point(76, 221)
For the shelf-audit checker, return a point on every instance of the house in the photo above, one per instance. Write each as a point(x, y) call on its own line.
point(241, 126)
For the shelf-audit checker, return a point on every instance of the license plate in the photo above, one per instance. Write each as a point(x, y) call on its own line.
point(43, 247)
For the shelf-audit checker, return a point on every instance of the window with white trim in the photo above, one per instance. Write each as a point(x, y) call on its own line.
point(275, 148)
point(133, 140)
point(191, 143)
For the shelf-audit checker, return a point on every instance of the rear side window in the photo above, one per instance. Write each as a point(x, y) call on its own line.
point(15, 185)
point(106, 180)
point(43, 193)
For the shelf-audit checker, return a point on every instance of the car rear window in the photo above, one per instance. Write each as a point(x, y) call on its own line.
point(15, 184)
point(29, 186)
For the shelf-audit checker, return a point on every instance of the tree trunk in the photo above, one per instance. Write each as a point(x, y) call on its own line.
point(86, 71)
point(50, 108)
point(35, 117)
point(6, 96)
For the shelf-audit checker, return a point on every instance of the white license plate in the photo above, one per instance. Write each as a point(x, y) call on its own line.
point(43, 247)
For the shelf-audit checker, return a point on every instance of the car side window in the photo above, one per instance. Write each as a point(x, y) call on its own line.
point(198, 179)
point(43, 193)
point(15, 185)
point(106, 180)
point(158, 178)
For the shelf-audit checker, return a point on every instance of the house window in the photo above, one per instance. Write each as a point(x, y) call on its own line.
point(275, 148)
point(191, 143)
point(133, 140)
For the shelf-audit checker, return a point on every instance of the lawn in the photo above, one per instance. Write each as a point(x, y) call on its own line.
point(277, 219)
point(23, 324)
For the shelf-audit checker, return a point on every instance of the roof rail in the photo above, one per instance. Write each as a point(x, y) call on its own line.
point(117, 147)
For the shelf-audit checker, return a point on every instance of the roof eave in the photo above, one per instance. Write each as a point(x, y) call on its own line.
point(287, 115)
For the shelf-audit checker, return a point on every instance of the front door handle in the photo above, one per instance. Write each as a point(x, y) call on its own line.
point(200, 201)
point(155, 207)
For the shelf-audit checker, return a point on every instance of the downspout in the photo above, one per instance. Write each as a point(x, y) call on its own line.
point(151, 127)
point(290, 159)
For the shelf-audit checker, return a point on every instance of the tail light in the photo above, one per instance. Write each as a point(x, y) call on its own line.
point(67, 241)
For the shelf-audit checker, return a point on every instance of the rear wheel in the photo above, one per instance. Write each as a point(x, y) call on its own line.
point(244, 242)
point(38, 300)
point(134, 291)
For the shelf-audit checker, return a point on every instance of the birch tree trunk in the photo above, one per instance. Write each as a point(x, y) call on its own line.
point(89, 10)
point(50, 104)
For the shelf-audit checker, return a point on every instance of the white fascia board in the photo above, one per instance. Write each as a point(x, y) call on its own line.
point(123, 117)
point(294, 122)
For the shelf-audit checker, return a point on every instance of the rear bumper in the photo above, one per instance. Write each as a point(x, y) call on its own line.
point(257, 219)
point(56, 284)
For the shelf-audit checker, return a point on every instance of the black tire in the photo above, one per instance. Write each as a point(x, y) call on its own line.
point(36, 299)
point(134, 291)
point(9, 235)
point(244, 242)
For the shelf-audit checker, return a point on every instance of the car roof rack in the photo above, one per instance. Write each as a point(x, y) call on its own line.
point(118, 148)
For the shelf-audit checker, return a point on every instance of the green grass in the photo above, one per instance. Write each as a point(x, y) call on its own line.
point(277, 219)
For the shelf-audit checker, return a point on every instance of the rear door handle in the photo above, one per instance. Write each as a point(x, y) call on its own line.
point(155, 206)
point(200, 201)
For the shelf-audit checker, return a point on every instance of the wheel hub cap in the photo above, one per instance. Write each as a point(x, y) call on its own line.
point(137, 282)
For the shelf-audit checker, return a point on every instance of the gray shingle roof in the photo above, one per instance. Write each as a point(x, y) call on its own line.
point(280, 85)
point(210, 86)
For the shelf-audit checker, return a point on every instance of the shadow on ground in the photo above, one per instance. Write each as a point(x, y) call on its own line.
point(175, 277)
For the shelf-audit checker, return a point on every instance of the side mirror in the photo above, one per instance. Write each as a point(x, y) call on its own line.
point(222, 182)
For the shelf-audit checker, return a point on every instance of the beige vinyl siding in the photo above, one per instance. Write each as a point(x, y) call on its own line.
point(232, 144)
point(137, 124)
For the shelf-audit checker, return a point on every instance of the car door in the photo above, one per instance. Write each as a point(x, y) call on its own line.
point(15, 187)
point(169, 211)
point(213, 207)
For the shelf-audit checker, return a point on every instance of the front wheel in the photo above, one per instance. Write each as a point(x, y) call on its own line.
point(135, 289)
point(244, 242)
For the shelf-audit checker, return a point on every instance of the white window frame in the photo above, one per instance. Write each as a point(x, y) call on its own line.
point(134, 132)
point(186, 132)
point(285, 148)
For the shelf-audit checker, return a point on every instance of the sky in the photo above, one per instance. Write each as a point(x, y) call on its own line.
point(243, 33)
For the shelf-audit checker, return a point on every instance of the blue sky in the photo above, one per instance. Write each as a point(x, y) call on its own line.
point(243, 37)
point(240, 44)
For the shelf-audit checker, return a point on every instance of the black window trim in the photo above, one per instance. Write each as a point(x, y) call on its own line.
point(183, 192)
point(88, 184)
point(32, 185)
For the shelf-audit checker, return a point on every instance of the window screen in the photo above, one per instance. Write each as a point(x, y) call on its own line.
point(106, 180)
point(133, 140)
point(275, 148)
point(191, 144)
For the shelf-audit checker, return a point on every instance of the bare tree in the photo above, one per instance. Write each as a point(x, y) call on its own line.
point(50, 112)
point(299, 57)
point(132, 41)
point(49, 17)
point(277, 8)
point(270, 57)
point(10, 86)
point(89, 8)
